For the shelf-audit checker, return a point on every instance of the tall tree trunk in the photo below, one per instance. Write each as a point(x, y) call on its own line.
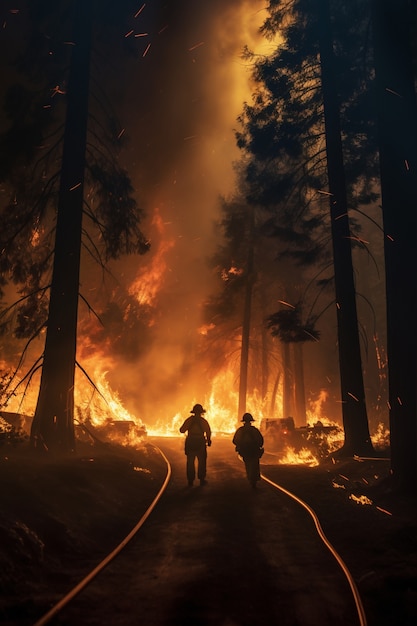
point(397, 127)
point(265, 339)
point(244, 354)
point(355, 420)
point(299, 389)
point(272, 407)
point(288, 381)
point(53, 423)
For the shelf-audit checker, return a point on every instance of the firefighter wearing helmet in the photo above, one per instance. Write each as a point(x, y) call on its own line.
point(196, 442)
point(248, 441)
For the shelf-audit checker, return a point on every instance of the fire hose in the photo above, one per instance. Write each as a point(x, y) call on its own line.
point(85, 581)
point(358, 602)
point(81, 585)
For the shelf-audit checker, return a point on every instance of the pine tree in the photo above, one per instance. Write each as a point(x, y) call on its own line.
point(29, 218)
point(294, 132)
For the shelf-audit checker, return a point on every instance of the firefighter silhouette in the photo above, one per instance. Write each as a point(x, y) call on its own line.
point(249, 442)
point(196, 442)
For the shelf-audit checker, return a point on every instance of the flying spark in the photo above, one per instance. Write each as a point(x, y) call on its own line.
point(197, 45)
point(310, 335)
point(57, 89)
point(395, 93)
point(140, 10)
point(383, 510)
point(357, 239)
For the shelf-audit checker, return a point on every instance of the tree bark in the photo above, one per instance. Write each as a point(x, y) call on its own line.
point(53, 423)
point(299, 388)
point(355, 420)
point(288, 381)
point(265, 343)
point(272, 407)
point(397, 130)
point(244, 354)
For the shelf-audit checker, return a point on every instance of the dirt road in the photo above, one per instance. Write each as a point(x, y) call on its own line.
point(219, 555)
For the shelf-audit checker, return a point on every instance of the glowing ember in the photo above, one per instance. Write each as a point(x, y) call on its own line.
point(232, 271)
point(204, 330)
point(141, 469)
point(360, 499)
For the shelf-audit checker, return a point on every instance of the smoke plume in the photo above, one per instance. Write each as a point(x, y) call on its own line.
point(182, 91)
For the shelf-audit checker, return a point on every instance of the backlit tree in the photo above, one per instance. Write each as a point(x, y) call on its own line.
point(47, 212)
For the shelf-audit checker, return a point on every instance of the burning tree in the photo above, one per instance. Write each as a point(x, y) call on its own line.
point(28, 226)
point(235, 314)
point(287, 324)
point(303, 136)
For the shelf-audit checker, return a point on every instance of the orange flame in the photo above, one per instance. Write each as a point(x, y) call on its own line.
point(381, 438)
point(316, 410)
point(149, 280)
point(302, 457)
point(221, 409)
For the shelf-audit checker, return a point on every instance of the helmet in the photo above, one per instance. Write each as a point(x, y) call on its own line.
point(247, 417)
point(197, 409)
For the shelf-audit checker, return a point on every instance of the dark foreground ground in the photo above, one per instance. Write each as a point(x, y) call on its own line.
point(59, 518)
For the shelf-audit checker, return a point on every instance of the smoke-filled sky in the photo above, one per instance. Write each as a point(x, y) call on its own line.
point(179, 97)
point(178, 93)
point(177, 81)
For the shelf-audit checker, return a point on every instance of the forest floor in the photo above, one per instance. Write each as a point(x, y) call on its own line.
point(58, 516)
point(372, 527)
